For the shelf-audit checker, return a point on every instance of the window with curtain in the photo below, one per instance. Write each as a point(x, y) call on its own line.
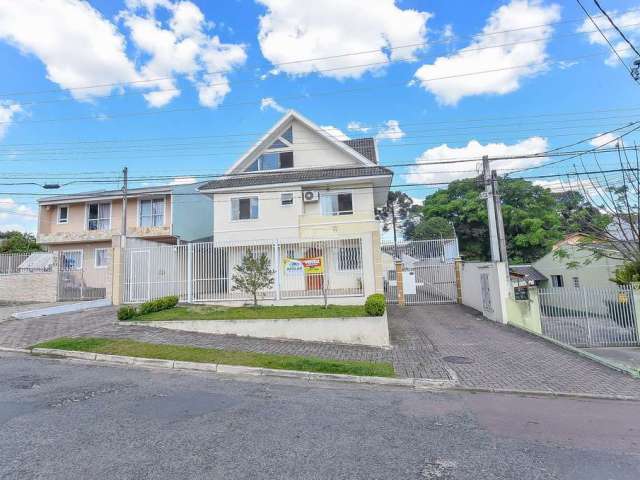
point(152, 212)
point(336, 204)
point(244, 208)
point(99, 216)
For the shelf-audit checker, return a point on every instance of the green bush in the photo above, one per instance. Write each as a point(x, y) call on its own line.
point(164, 303)
point(126, 313)
point(375, 305)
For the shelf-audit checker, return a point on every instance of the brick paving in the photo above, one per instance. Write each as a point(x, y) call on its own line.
point(423, 337)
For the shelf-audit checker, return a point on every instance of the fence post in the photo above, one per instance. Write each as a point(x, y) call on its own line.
point(117, 270)
point(276, 261)
point(635, 291)
point(458, 269)
point(189, 272)
point(399, 283)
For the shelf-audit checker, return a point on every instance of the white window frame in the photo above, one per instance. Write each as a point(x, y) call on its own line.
point(86, 215)
point(95, 257)
point(335, 194)
point(287, 205)
point(338, 266)
point(58, 220)
point(77, 267)
point(576, 282)
point(240, 197)
point(152, 199)
point(561, 281)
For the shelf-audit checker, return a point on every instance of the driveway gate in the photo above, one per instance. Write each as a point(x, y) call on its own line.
point(589, 317)
point(428, 271)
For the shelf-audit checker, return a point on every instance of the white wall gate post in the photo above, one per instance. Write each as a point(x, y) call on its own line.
point(276, 261)
point(190, 273)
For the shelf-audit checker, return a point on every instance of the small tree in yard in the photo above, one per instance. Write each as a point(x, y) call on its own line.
point(252, 275)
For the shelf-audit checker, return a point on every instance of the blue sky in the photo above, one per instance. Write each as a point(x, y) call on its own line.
point(181, 88)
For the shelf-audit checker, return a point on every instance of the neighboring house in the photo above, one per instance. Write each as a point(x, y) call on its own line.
point(527, 274)
point(298, 183)
point(83, 226)
point(562, 273)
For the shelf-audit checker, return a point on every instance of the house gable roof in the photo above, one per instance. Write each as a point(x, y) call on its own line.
point(281, 124)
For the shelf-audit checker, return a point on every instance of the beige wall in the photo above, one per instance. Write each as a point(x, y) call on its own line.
point(300, 220)
point(310, 150)
point(76, 227)
point(91, 275)
point(596, 274)
point(29, 287)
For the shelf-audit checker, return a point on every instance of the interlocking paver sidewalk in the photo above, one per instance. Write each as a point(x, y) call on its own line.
point(423, 337)
point(502, 357)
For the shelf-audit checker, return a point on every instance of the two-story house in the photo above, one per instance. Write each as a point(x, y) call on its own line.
point(299, 183)
point(81, 228)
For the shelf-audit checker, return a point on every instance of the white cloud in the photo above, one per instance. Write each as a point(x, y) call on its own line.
point(8, 110)
point(180, 45)
point(15, 216)
point(78, 46)
point(476, 57)
point(183, 181)
point(270, 102)
point(335, 132)
point(292, 30)
point(604, 140)
point(391, 131)
point(357, 127)
point(426, 173)
point(629, 23)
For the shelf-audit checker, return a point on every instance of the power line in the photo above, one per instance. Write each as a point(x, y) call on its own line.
point(301, 97)
point(272, 65)
point(603, 35)
point(624, 37)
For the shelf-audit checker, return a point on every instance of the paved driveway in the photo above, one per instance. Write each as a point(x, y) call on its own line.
point(486, 355)
point(428, 342)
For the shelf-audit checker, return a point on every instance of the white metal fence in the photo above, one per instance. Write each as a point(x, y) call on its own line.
point(11, 263)
point(429, 271)
point(203, 272)
point(589, 317)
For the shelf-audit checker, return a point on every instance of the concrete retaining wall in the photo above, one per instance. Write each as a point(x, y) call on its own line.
point(352, 330)
point(29, 287)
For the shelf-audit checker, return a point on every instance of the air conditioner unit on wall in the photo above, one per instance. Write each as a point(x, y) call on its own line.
point(310, 196)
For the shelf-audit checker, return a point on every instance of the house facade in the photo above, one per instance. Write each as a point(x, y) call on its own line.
point(299, 184)
point(578, 268)
point(82, 228)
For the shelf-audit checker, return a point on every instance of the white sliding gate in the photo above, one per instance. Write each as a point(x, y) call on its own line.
point(589, 317)
point(429, 271)
point(202, 272)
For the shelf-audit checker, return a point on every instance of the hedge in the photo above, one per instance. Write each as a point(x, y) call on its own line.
point(375, 305)
point(164, 303)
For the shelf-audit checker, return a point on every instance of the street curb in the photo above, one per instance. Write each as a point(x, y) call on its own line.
point(545, 393)
point(410, 383)
point(577, 351)
point(14, 350)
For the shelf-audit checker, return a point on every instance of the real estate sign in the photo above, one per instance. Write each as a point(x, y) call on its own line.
point(309, 266)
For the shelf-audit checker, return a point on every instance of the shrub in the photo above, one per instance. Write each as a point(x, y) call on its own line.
point(126, 313)
point(164, 303)
point(375, 305)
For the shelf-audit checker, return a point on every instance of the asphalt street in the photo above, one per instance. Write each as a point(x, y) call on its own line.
point(77, 420)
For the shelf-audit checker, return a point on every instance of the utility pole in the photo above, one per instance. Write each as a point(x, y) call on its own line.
point(395, 235)
point(123, 233)
point(491, 210)
point(502, 241)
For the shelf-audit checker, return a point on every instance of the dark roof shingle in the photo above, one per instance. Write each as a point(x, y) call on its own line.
point(364, 146)
point(294, 176)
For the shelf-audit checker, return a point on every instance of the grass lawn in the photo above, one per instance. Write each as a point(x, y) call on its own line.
point(132, 348)
point(203, 312)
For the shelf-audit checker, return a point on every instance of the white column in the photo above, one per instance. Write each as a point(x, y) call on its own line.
point(276, 260)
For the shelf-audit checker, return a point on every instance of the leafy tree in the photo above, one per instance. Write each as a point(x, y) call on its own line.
point(18, 242)
point(400, 204)
point(430, 228)
point(253, 275)
point(577, 214)
point(532, 224)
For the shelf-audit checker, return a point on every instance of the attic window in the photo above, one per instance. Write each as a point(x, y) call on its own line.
point(288, 135)
point(278, 144)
